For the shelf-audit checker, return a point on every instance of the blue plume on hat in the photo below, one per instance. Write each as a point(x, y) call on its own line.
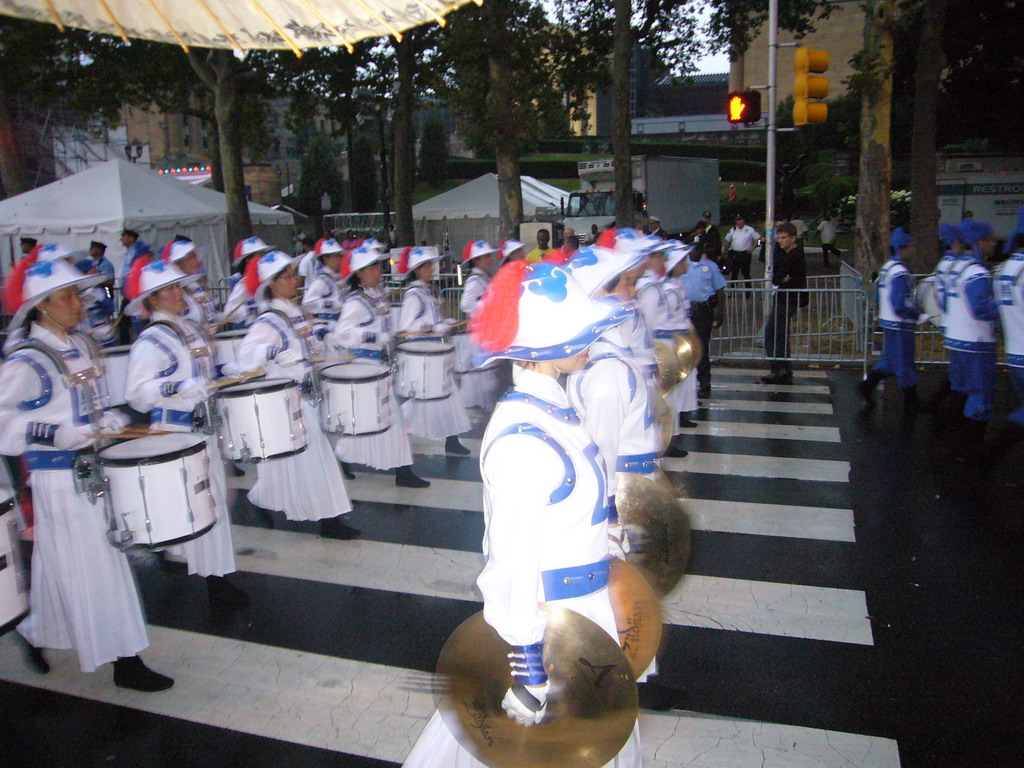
point(900, 238)
point(1019, 229)
point(949, 234)
point(972, 230)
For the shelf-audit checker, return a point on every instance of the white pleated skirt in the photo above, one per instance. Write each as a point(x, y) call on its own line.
point(436, 418)
point(437, 747)
point(213, 553)
point(307, 486)
point(682, 398)
point(386, 450)
point(83, 594)
point(481, 388)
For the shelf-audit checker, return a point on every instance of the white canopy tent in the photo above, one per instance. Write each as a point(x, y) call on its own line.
point(99, 202)
point(470, 211)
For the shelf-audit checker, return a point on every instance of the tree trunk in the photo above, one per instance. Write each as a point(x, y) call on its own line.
point(404, 158)
point(506, 151)
point(924, 204)
point(622, 50)
point(871, 233)
point(219, 71)
point(216, 171)
point(12, 166)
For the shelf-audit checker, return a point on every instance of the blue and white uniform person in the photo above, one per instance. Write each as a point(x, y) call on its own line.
point(420, 319)
point(364, 329)
point(41, 252)
point(325, 292)
point(1009, 280)
point(970, 325)
point(682, 398)
point(83, 595)
point(545, 492)
point(242, 308)
point(169, 367)
point(479, 385)
point(199, 306)
point(307, 485)
point(898, 316)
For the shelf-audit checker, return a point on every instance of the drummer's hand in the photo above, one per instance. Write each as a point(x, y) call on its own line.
point(71, 437)
point(193, 389)
point(526, 704)
point(923, 318)
point(442, 328)
point(113, 420)
point(231, 370)
point(288, 357)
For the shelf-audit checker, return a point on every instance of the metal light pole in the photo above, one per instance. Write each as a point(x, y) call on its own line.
point(769, 189)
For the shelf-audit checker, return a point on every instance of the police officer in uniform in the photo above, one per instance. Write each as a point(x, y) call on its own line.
point(705, 285)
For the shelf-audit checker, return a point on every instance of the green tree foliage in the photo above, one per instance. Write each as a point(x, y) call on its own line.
point(364, 176)
point(320, 176)
point(433, 165)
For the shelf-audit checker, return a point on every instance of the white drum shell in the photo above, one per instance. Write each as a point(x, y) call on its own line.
point(355, 399)
point(164, 498)
point(424, 370)
point(261, 420)
point(115, 361)
point(926, 298)
point(13, 576)
point(226, 345)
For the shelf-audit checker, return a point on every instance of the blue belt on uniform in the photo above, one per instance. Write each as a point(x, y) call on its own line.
point(168, 416)
point(575, 581)
point(368, 354)
point(327, 315)
point(43, 460)
point(667, 334)
point(637, 463)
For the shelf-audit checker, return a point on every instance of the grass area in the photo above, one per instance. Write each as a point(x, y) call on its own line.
point(745, 190)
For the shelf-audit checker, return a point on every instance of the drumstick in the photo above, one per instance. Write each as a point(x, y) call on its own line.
point(338, 359)
point(403, 334)
point(129, 433)
point(235, 380)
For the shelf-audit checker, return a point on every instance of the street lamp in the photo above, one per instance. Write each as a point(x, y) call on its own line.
point(133, 150)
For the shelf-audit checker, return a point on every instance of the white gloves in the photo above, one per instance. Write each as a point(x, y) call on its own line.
point(618, 541)
point(193, 389)
point(441, 329)
point(231, 370)
point(288, 357)
point(526, 704)
point(71, 437)
point(113, 421)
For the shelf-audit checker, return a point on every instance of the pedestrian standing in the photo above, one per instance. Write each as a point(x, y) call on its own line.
point(789, 277)
point(827, 232)
point(741, 241)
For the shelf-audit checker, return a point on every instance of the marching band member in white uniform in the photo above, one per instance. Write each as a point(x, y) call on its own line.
point(545, 491)
point(99, 306)
point(308, 485)
point(169, 367)
point(682, 398)
point(512, 250)
point(364, 329)
point(478, 385)
point(41, 252)
point(241, 308)
point(420, 320)
point(83, 595)
point(325, 293)
point(199, 306)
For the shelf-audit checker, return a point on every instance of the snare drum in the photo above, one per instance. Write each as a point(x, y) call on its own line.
point(355, 398)
point(926, 298)
point(425, 370)
point(225, 345)
point(261, 420)
point(159, 489)
point(13, 577)
point(115, 361)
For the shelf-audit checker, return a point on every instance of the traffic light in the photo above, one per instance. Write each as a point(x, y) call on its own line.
point(807, 86)
point(743, 107)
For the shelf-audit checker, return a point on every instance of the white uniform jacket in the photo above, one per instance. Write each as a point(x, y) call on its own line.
point(474, 290)
point(1010, 298)
point(240, 308)
point(199, 306)
point(324, 295)
point(420, 311)
point(650, 297)
point(364, 327)
point(677, 310)
point(282, 325)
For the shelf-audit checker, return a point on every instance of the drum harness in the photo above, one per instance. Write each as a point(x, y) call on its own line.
point(205, 418)
point(310, 384)
point(88, 480)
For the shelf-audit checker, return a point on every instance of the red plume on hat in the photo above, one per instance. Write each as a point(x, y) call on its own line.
point(403, 261)
point(495, 324)
point(15, 287)
point(132, 283)
point(319, 245)
point(606, 239)
point(345, 269)
point(238, 251)
point(557, 258)
point(165, 252)
point(252, 276)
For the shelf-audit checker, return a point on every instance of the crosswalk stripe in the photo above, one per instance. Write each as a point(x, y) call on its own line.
point(760, 466)
point(824, 409)
point(806, 389)
point(765, 431)
point(756, 374)
point(378, 711)
point(771, 519)
point(787, 610)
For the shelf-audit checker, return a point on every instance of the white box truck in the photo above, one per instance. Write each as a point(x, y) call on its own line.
point(675, 189)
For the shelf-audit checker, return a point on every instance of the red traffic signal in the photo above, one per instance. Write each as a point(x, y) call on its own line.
point(743, 107)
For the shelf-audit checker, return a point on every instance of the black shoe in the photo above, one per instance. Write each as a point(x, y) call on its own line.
point(346, 470)
point(454, 447)
point(771, 378)
point(675, 452)
point(867, 391)
point(236, 471)
point(988, 454)
point(658, 698)
point(405, 478)
point(223, 593)
point(130, 672)
point(34, 657)
point(704, 393)
point(265, 517)
point(685, 423)
point(910, 400)
point(336, 528)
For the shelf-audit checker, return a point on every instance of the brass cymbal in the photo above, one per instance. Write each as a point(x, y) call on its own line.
point(668, 365)
point(689, 351)
point(664, 417)
point(637, 615)
point(658, 530)
point(592, 704)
